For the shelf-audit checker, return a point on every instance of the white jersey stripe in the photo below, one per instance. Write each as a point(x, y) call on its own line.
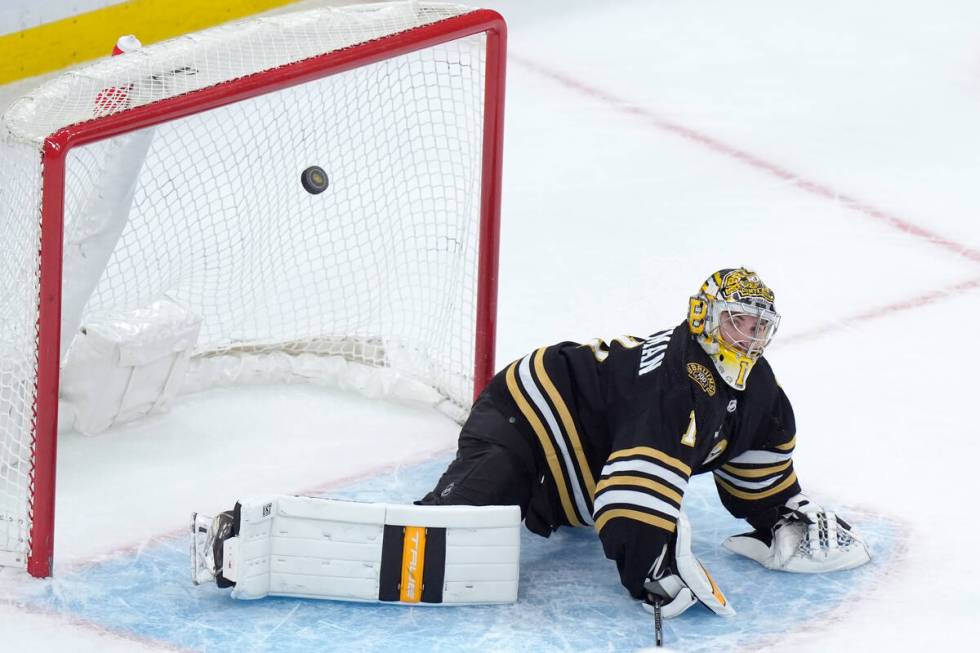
point(760, 457)
point(654, 362)
point(531, 387)
point(748, 485)
point(632, 497)
point(676, 480)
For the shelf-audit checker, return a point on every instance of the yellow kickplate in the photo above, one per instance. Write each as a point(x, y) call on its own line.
point(413, 563)
point(91, 35)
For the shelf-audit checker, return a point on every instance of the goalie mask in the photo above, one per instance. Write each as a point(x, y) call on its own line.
point(733, 318)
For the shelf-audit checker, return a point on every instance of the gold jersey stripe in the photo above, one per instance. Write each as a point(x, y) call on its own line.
point(635, 515)
point(650, 452)
point(550, 456)
point(640, 481)
point(755, 496)
point(789, 446)
point(566, 419)
point(413, 564)
point(756, 473)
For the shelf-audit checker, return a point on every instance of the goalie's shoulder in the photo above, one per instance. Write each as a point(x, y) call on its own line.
point(763, 375)
point(763, 390)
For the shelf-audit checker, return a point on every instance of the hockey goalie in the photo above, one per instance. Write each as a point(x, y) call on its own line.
point(600, 435)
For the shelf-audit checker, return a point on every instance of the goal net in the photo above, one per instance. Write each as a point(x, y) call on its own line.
point(158, 238)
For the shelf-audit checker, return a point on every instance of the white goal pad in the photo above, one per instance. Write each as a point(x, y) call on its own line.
point(330, 549)
point(127, 365)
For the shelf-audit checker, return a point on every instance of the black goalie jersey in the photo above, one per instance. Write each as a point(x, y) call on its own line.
point(620, 428)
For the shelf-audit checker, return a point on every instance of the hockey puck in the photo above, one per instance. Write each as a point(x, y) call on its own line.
point(314, 180)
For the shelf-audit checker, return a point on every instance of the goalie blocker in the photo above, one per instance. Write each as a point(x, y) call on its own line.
point(346, 550)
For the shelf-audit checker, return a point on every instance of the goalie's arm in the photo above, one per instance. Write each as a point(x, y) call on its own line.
point(754, 484)
point(638, 511)
point(638, 495)
point(761, 487)
point(636, 515)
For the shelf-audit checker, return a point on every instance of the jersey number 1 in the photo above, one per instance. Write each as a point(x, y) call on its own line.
point(690, 433)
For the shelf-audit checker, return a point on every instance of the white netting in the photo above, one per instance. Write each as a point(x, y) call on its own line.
point(221, 225)
point(20, 212)
point(377, 271)
point(210, 57)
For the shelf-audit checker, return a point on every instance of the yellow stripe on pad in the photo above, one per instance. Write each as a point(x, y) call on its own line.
point(649, 452)
point(413, 564)
point(715, 590)
point(92, 34)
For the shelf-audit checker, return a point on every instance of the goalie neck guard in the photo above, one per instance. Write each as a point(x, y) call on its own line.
point(733, 317)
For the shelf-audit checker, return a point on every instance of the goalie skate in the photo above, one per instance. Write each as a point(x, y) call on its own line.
point(207, 540)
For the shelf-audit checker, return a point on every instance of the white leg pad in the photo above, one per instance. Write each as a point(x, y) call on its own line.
point(347, 550)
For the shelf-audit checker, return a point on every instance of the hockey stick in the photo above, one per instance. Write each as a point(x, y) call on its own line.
point(658, 624)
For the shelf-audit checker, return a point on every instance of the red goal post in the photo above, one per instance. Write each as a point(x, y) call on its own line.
point(38, 517)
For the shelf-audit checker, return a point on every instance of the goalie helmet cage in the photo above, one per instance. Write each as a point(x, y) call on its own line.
point(417, 91)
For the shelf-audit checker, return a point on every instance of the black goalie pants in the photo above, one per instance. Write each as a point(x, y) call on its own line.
point(495, 465)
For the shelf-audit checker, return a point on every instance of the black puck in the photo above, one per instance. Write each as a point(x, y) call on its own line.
point(314, 180)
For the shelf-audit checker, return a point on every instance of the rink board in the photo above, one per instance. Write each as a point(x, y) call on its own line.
point(570, 598)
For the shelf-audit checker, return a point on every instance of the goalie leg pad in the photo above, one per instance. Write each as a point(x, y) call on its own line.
point(329, 549)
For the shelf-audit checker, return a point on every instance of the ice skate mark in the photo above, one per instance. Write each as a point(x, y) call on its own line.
point(91, 626)
point(716, 145)
point(888, 310)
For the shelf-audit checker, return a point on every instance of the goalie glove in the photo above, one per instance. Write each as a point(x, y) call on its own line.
point(680, 583)
point(805, 539)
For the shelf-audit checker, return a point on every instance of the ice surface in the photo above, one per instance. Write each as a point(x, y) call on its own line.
point(612, 216)
point(570, 597)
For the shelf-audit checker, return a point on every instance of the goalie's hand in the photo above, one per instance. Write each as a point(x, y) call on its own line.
point(805, 539)
point(670, 591)
point(680, 583)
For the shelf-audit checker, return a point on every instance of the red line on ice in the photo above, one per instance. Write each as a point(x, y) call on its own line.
point(743, 156)
point(913, 303)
